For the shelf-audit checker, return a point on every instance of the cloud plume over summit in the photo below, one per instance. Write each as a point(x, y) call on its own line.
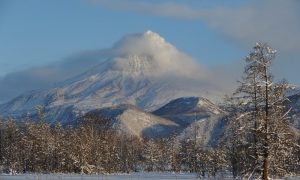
point(273, 21)
point(166, 61)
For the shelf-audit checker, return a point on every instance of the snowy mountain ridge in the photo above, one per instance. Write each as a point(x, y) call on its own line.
point(143, 70)
point(177, 118)
point(135, 122)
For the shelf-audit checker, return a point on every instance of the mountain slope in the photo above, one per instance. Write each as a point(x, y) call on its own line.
point(295, 112)
point(188, 110)
point(133, 121)
point(186, 118)
point(198, 118)
point(142, 69)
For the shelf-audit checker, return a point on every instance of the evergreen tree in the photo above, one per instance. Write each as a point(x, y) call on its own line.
point(259, 119)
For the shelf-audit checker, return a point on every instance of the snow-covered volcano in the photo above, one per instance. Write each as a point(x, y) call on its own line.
point(141, 69)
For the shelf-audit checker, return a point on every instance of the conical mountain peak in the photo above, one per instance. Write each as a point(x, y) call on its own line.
point(154, 37)
point(141, 69)
point(141, 43)
point(150, 33)
point(149, 52)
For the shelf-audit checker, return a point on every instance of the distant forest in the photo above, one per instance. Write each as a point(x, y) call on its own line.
point(93, 147)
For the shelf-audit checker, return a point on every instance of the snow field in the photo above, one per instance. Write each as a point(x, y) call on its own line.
point(135, 176)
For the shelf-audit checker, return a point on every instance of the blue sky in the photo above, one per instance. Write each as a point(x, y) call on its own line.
point(36, 33)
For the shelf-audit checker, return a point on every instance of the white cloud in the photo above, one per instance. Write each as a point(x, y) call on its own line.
point(165, 9)
point(42, 77)
point(164, 56)
point(273, 21)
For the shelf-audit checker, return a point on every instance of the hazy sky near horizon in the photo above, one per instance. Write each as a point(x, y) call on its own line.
point(218, 34)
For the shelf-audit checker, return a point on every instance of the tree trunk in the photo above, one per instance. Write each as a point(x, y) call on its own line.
point(266, 144)
point(266, 167)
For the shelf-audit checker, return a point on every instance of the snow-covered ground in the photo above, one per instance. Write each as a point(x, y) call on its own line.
point(135, 176)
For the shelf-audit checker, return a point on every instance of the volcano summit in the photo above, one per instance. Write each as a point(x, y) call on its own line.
point(141, 69)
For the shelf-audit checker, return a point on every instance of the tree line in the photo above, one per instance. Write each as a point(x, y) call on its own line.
point(93, 147)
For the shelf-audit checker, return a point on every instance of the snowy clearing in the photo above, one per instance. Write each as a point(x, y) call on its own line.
point(135, 176)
